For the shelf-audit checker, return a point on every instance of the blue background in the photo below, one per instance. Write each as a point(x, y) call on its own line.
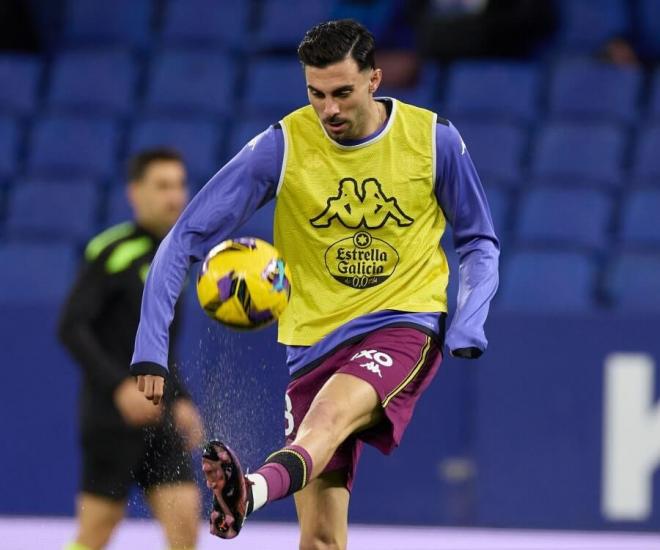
point(513, 439)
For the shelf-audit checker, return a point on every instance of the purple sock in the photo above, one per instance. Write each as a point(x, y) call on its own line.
point(286, 471)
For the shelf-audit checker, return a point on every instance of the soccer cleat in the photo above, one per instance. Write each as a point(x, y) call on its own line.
point(232, 500)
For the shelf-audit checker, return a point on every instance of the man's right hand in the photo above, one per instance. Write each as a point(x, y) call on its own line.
point(133, 407)
point(153, 387)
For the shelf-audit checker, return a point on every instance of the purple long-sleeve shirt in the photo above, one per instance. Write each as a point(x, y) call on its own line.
point(250, 180)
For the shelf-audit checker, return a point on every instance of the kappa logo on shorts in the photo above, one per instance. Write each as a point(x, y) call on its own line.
point(374, 360)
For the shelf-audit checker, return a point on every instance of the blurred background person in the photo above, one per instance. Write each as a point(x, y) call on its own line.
point(124, 440)
point(17, 31)
point(450, 29)
point(410, 31)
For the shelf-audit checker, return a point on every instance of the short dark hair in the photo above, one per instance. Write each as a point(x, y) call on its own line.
point(332, 41)
point(140, 162)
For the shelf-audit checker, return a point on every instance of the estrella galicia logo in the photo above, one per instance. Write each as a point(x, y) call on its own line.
point(361, 261)
point(367, 206)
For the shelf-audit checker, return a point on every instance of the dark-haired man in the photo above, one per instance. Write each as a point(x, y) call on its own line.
point(124, 438)
point(364, 188)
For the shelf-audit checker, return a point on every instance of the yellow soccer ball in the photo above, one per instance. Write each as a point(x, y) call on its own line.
point(244, 283)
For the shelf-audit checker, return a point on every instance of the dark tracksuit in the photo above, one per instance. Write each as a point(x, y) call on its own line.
point(98, 326)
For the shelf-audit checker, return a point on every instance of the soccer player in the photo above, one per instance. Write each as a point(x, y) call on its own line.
point(124, 438)
point(364, 187)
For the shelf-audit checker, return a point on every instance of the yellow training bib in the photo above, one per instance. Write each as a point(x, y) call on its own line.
point(359, 225)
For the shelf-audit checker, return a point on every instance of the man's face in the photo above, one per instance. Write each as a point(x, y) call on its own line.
point(341, 95)
point(160, 196)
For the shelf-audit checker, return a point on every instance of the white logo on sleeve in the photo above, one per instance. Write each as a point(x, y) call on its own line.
point(375, 360)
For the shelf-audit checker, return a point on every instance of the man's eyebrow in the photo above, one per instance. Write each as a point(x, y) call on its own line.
point(346, 88)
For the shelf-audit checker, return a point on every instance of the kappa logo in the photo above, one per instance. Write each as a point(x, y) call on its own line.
point(375, 360)
point(367, 206)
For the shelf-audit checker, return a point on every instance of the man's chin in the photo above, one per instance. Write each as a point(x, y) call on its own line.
point(337, 131)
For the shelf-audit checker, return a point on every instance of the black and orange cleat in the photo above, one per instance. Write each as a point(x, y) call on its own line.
point(232, 495)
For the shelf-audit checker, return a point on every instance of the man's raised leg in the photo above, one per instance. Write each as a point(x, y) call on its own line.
point(344, 405)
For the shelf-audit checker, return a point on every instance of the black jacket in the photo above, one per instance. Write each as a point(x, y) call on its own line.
point(101, 316)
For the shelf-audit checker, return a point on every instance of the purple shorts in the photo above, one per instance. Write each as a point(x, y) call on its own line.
point(399, 362)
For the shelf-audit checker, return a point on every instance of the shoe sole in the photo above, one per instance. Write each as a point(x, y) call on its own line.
point(222, 470)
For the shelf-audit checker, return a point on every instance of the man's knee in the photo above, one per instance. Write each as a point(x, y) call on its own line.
point(183, 535)
point(321, 540)
point(333, 421)
point(97, 518)
point(95, 535)
point(327, 417)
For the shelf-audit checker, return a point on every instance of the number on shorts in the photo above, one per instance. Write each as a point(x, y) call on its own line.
point(288, 416)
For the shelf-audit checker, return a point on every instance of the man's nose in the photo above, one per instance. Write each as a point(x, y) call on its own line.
point(330, 108)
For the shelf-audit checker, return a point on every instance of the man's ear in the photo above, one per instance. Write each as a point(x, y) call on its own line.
point(375, 80)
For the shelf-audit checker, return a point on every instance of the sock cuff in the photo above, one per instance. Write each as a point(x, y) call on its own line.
point(296, 462)
point(76, 546)
point(302, 452)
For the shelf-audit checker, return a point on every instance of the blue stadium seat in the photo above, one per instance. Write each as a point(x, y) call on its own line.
point(36, 274)
point(569, 218)
point(544, 282)
point(585, 89)
point(206, 23)
point(197, 140)
point(579, 153)
point(283, 23)
point(419, 95)
point(512, 91)
point(640, 223)
point(117, 208)
point(286, 87)
point(499, 203)
point(72, 146)
point(646, 164)
point(654, 99)
point(93, 81)
point(120, 22)
point(632, 282)
point(496, 148)
point(19, 75)
point(376, 16)
point(9, 142)
point(422, 94)
point(587, 24)
point(245, 129)
point(3, 200)
point(648, 29)
point(192, 81)
point(51, 210)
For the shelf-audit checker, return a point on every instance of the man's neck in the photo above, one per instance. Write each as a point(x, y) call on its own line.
point(156, 232)
point(377, 125)
point(376, 120)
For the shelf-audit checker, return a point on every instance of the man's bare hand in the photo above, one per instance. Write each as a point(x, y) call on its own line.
point(152, 386)
point(133, 407)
